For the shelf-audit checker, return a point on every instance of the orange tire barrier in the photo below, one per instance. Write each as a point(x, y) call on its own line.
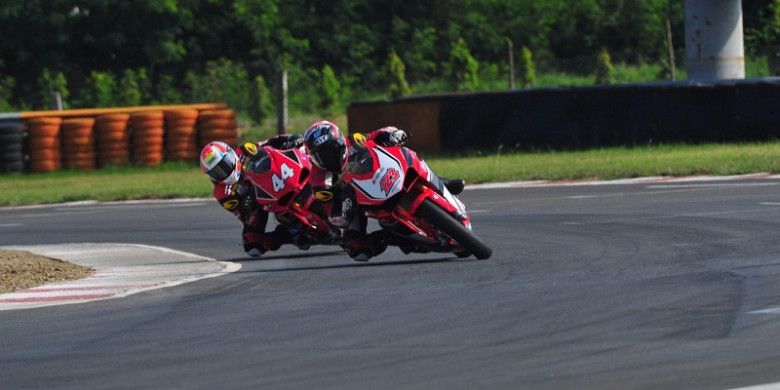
point(111, 131)
point(44, 144)
point(217, 125)
point(181, 132)
point(78, 143)
point(147, 129)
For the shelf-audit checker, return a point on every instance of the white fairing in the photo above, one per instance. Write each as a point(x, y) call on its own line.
point(373, 187)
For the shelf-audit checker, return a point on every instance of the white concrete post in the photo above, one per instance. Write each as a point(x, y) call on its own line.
point(714, 44)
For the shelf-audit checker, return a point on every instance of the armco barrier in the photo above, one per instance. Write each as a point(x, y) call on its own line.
point(577, 118)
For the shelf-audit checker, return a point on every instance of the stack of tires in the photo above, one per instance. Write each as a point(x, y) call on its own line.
point(217, 125)
point(147, 131)
point(112, 139)
point(43, 141)
point(180, 135)
point(78, 144)
point(11, 147)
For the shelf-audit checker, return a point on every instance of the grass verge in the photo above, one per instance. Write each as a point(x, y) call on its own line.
point(172, 180)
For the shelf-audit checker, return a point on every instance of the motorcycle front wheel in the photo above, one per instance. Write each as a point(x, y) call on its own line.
point(447, 223)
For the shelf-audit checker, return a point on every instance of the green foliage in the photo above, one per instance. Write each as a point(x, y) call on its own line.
point(129, 93)
point(168, 90)
point(262, 106)
point(398, 85)
point(464, 67)
point(6, 87)
point(605, 71)
point(101, 89)
point(527, 67)
point(330, 90)
point(48, 83)
point(222, 80)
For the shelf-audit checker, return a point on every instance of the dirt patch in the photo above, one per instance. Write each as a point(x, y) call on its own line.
point(20, 270)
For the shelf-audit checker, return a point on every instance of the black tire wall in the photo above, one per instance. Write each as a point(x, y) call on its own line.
point(11, 146)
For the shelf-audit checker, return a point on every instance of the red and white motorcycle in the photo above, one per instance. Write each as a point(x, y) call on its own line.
point(281, 182)
point(398, 189)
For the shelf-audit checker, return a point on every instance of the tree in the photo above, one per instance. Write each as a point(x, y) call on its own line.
point(330, 89)
point(129, 92)
point(605, 71)
point(50, 82)
point(6, 86)
point(463, 67)
point(262, 106)
point(398, 85)
point(101, 89)
point(528, 68)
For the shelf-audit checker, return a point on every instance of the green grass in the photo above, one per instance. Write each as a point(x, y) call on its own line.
point(613, 163)
point(173, 180)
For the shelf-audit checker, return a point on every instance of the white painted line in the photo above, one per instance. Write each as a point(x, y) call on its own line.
point(2, 225)
point(771, 310)
point(122, 202)
point(639, 180)
point(478, 211)
point(770, 203)
point(765, 386)
point(713, 185)
point(121, 270)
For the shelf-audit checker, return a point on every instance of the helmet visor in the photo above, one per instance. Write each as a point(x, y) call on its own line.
point(330, 158)
point(223, 169)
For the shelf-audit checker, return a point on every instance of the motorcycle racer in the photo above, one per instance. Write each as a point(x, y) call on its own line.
point(330, 151)
point(224, 166)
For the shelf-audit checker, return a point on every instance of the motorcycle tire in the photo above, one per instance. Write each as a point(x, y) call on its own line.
point(447, 223)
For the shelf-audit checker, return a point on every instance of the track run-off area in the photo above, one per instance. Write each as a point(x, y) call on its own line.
point(667, 284)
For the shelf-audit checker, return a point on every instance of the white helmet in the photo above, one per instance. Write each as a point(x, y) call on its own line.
point(220, 162)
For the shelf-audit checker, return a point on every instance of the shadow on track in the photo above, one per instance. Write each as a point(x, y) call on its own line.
point(289, 256)
point(452, 260)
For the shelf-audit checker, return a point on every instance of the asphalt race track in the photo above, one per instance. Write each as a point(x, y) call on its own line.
point(620, 286)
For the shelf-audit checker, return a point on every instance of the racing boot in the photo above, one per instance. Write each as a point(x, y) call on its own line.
point(361, 248)
point(454, 186)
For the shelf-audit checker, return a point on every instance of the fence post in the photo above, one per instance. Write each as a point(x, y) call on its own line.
point(511, 65)
point(281, 104)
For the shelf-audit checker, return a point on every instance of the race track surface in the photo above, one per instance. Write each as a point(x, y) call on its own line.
point(617, 286)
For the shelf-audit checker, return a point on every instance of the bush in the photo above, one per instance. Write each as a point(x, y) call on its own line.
point(222, 81)
point(262, 106)
point(167, 90)
point(528, 68)
point(398, 85)
point(101, 89)
point(6, 87)
point(463, 67)
point(330, 90)
point(605, 72)
point(48, 83)
point(129, 93)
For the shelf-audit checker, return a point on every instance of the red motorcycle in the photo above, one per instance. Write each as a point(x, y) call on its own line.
point(394, 186)
point(281, 182)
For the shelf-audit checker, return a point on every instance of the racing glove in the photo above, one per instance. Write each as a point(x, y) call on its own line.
point(391, 136)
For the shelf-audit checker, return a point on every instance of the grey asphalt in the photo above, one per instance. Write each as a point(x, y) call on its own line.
point(615, 286)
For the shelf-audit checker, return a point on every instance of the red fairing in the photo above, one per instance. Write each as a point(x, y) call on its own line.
point(277, 173)
point(279, 177)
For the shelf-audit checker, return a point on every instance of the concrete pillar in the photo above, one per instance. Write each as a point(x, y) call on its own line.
point(714, 44)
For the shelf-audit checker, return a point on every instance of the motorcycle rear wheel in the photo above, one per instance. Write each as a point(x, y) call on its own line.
point(447, 223)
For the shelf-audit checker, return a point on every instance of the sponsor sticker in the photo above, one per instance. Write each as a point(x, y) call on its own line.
point(323, 196)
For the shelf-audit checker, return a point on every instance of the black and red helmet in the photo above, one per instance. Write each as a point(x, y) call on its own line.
point(326, 145)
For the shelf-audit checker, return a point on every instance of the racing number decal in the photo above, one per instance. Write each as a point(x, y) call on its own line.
point(278, 182)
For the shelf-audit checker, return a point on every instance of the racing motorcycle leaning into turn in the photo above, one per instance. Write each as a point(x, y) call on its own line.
point(410, 202)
